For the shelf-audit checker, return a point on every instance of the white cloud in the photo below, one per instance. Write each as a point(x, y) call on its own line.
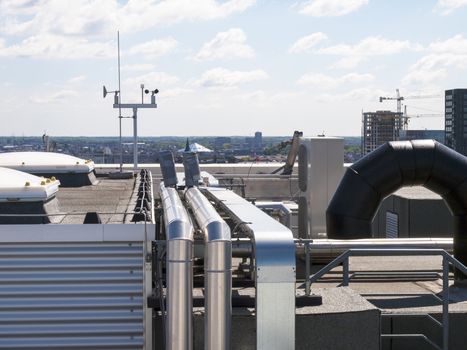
point(137, 67)
point(372, 46)
point(368, 94)
point(442, 55)
point(455, 45)
point(154, 48)
point(423, 76)
point(228, 44)
point(264, 98)
point(307, 43)
point(353, 54)
point(446, 7)
point(224, 78)
point(103, 17)
point(326, 81)
point(55, 97)
point(51, 46)
point(330, 8)
point(23, 7)
point(78, 17)
point(77, 79)
point(349, 62)
point(140, 15)
point(67, 29)
point(152, 80)
point(174, 92)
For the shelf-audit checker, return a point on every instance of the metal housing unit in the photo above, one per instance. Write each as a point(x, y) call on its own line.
point(320, 161)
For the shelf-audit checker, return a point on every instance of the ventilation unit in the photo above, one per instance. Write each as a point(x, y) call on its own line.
point(320, 169)
point(22, 194)
point(70, 170)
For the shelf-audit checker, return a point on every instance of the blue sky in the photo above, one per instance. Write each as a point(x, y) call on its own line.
point(226, 67)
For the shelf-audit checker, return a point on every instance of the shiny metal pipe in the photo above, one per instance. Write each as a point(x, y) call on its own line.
point(328, 249)
point(179, 232)
point(218, 271)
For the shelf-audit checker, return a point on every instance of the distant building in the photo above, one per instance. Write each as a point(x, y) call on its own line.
point(437, 135)
point(258, 143)
point(249, 143)
point(219, 142)
point(380, 127)
point(455, 126)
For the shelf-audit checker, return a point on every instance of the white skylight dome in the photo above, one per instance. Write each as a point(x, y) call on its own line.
point(45, 163)
point(17, 186)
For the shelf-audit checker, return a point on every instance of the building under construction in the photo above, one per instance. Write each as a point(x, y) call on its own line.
point(380, 127)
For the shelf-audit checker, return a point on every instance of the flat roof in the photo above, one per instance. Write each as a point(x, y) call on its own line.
point(111, 198)
point(396, 293)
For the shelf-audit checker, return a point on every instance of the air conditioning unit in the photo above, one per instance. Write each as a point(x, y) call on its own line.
point(320, 169)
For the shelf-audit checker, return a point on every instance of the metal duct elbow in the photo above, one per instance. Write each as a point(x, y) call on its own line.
point(179, 233)
point(392, 166)
point(218, 271)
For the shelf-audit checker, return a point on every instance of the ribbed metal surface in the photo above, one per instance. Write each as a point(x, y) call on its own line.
point(392, 225)
point(71, 296)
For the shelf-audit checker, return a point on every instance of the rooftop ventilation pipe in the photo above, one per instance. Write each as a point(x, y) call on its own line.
point(218, 271)
point(392, 166)
point(179, 232)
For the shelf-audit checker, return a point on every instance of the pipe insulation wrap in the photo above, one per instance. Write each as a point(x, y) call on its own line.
point(392, 166)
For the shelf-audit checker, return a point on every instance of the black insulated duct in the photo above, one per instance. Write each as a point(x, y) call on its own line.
point(394, 165)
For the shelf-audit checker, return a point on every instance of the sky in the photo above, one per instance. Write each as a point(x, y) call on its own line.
point(228, 67)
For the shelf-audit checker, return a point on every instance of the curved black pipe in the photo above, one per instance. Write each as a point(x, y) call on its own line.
point(392, 166)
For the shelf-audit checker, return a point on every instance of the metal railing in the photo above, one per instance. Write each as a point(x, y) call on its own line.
point(344, 260)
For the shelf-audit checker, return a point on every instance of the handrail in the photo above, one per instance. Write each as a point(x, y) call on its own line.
point(344, 260)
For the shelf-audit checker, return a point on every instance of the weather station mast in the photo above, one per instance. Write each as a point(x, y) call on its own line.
point(134, 107)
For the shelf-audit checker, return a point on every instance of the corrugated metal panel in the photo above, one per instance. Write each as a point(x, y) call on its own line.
point(392, 225)
point(71, 296)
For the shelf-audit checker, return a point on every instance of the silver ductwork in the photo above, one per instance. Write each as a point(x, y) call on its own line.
point(179, 232)
point(274, 256)
point(218, 271)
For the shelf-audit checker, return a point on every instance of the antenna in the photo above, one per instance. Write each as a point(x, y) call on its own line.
point(134, 106)
point(119, 108)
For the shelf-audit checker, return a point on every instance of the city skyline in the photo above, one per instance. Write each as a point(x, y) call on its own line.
point(226, 68)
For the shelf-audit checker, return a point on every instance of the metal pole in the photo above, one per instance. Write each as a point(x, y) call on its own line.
point(120, 140)
point(345, 271)
point(445, 303)
point(135, 139)
point(119, 102)
point(307, 268)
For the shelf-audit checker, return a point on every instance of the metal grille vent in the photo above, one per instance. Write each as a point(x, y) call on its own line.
point(71, 296)
point(392, 225)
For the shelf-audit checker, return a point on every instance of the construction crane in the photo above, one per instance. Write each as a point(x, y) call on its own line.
point(400, 98)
